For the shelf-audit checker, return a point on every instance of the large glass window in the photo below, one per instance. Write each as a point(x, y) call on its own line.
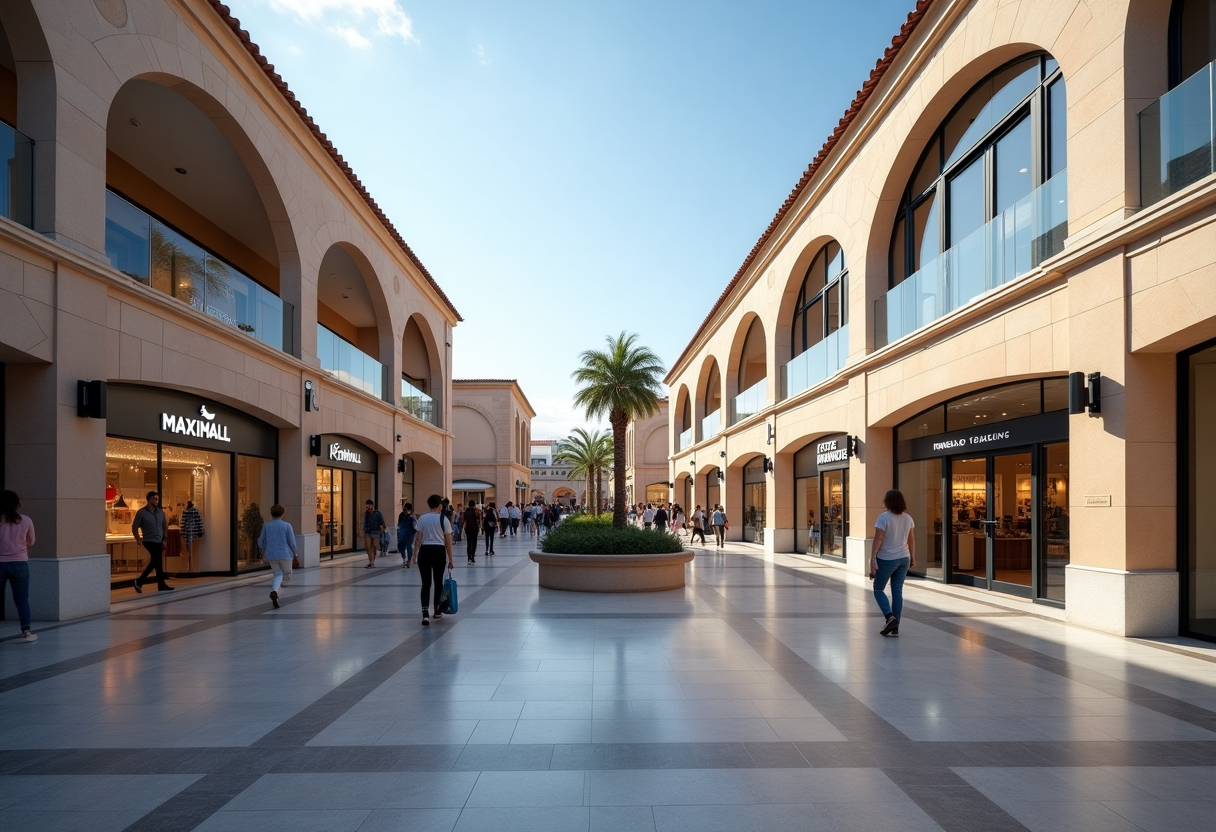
point(921, 484)
point(1003, 140)
point(1055, 521)
point(1192, 38)
point(822, 306)
point(1199, 571)
point(254, 497)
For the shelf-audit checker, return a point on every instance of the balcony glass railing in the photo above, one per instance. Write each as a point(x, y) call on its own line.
point(684, 440)
point(750, 402)
point(349, 364)
point(819, 363)
point(1009, 245)
point(16, 176)
point(151, 252)
point(1176, 138)
point(418, 404)
point(711, 425)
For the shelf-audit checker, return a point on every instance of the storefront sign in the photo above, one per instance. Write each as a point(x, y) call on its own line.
point(1097, 500)
point(832, 453)
point(339, 454)
point(1029, 430)
point(204, 428)
point(184, 419)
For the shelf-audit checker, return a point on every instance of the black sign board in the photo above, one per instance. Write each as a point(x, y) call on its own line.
point(1029, 430)
point(157, 415)
point(343, 452)
point(828, 453)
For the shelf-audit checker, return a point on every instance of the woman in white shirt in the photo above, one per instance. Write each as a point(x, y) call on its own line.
point(894, 553)
point(433, 543)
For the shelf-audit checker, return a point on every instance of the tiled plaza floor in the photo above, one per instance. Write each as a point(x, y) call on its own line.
point(759, 698)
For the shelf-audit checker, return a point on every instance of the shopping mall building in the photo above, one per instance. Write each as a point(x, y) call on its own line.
point(994, 288)
point(199, 297)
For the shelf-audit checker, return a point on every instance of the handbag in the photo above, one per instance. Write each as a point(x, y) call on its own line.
point(447, 600)
point(295, 561)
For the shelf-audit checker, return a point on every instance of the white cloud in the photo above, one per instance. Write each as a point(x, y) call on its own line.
point(481, 56)
point(352, 37)
point(355, 21)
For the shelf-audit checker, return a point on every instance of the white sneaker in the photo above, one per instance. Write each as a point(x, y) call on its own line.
point(28, 638)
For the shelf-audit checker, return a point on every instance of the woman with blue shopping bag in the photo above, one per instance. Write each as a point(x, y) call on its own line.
point(433, 542)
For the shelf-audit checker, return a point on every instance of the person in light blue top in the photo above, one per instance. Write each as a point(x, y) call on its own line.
point(277, 543)
point(893, 555)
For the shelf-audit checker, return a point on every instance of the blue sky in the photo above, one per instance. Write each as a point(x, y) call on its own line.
point(568, 170)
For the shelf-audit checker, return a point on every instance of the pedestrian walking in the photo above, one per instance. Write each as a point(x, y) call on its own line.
point(660, 518)
point(489, 525)
point(433, 542)
point(277, 543)
point(16, 538)
point(504, 519)
point(698, 526)
point(472, 520)
point(406, 522)
point(373, 531)
point(678, 521)
point(515, 514)
point(719, 521)
point(648, 516)
point(151, 530)
point(894, 553)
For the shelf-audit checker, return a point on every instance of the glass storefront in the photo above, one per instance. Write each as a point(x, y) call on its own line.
point(346, 479)
point(1198, 567)
point(219, 462)
point(821, 496)
point(986, 480)
point(407, 482)
point(755, 494)
point(657, 493)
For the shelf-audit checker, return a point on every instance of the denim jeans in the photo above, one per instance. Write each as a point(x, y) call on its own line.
point(18, 574)
point(894, 570)
point(281, 570)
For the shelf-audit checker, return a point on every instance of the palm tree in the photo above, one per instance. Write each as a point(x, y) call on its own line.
point(587, 454)
point(621, 383)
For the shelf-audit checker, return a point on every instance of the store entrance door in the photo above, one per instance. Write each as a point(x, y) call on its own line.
point(992, 544)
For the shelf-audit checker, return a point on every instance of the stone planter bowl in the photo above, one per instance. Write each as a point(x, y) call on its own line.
point(612, 573)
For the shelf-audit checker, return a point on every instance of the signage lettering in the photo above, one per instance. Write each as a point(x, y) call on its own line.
point(832, 454)
point(1100, 500)
point(205, 428)
point(340, 454)
point(978, 439)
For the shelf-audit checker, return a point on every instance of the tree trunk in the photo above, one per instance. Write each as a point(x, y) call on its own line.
point(599, 485)
point(619, 421)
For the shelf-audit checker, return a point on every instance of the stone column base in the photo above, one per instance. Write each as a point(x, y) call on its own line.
point(778, 540)
point(66, 588)
point(1129, 604)
point(857, 555)
point(309, 547)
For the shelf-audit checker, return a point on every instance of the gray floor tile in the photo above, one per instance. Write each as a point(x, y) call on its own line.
point(528, 789)
point(712, 818)
point(551, 819)
point(655, 788)
point(289, 820)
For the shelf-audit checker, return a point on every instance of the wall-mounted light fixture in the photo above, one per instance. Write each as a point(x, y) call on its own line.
point(692, 463)
point(722, 454)
point(771, 434)
point(721, 475)
point(401, 466)
point(768, 465)
point(91, 399)
point(310, 396)
point(398, 437)
point(671, 485)
point(314, 444)
point(1085, 393)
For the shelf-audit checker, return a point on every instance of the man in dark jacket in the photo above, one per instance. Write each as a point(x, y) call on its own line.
point(472, 522)
point(661, 518)
point(151, 530)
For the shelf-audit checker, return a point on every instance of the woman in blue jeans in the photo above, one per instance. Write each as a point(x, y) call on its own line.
point(16, 538)
point(894, 553)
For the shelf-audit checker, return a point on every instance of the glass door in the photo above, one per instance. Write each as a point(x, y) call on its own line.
point(992, 514)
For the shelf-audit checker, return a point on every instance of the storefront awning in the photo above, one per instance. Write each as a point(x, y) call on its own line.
point(471, 485)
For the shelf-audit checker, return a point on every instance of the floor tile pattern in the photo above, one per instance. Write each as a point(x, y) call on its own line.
point(759, 697)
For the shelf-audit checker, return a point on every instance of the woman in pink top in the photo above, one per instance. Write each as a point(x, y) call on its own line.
point(16, 538)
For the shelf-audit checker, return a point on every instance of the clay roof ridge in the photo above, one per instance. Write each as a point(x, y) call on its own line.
point(252, 48)
point(485, 381)
point(863, 95)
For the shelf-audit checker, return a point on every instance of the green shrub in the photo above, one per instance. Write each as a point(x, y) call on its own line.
point(591, 535)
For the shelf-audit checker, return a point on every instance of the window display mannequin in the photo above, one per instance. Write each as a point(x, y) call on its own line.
point(192, 529)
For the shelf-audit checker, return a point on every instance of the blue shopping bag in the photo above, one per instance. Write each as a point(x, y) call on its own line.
point(447, 600)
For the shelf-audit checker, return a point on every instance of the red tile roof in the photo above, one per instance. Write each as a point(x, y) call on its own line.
point(252, 48)
point(863, 95)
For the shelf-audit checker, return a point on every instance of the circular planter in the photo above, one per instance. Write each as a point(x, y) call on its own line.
point(612, 573)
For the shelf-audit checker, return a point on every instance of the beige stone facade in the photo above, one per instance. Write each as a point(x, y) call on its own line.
point(646, 466)
point(186, 234)
point(1122, 290)
point(492, 421)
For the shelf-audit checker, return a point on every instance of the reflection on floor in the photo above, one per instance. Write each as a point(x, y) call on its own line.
point(759, 697)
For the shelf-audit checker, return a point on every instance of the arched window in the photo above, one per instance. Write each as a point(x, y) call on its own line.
point(822, 301)
point(1192, 38)
point(987, 202)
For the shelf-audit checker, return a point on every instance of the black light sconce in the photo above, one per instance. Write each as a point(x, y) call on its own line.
point(771, 434)
point(1084, 393)
point(91, 399)
point(671, 485)
point(314, 444)
point(852, 445)
point(310, 396)
point(398, 437)
point(721, 475)
point(768, 465)
point(401, 466)
point(722, 454)
point(692, 463)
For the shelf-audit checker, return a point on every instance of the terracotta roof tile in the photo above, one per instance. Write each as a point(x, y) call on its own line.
point(880, 69)
point(252, 48)
point(485, 381)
